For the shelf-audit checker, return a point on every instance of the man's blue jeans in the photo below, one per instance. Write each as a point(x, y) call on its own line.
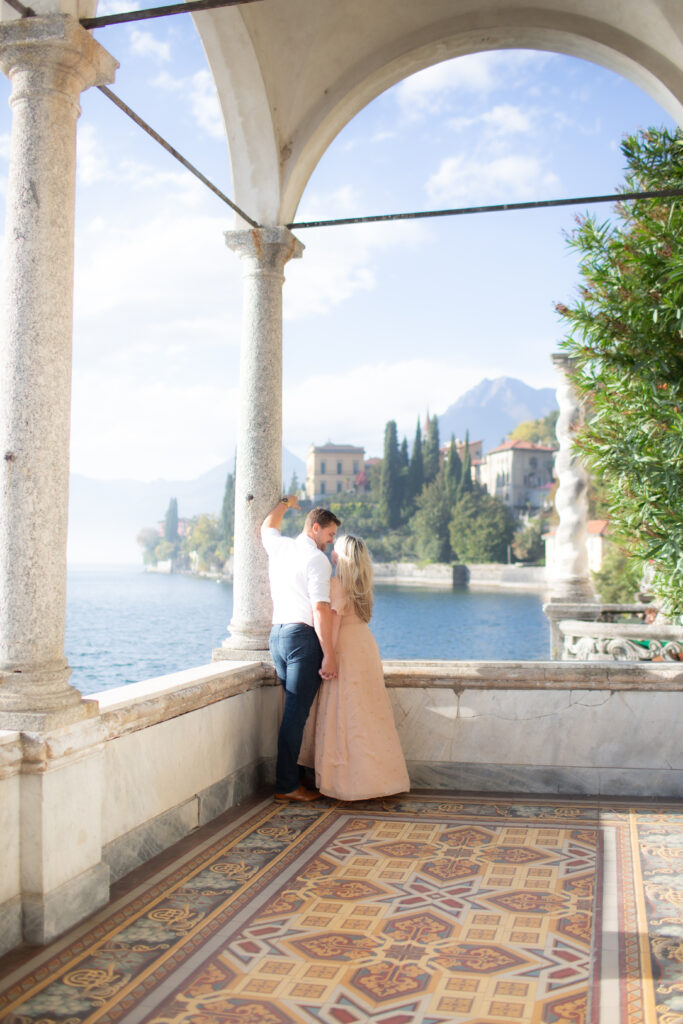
point(297, 656)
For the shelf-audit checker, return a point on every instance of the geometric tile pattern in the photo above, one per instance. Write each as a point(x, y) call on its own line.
point(377, 934)
point(409, 909)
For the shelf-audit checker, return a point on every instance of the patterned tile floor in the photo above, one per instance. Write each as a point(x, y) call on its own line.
point(429, 908)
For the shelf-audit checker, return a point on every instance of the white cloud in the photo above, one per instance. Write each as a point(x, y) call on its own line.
point(143, 429)
point(507, 178)
point(353, 406)
point(200, 90)
point(508, 120)
point(205, 105)
point(144, 44)
point(339, 262)
point(501, 120)
point(140, 177)
point(4, 146)
point(116, 7)
point(167, 82)
point(431, 90)
point(91, 164)
point(161, 266)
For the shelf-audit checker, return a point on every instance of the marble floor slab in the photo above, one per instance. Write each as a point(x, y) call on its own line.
point(429, 907)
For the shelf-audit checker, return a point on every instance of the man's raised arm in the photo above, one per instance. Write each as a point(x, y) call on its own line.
point(274, 518)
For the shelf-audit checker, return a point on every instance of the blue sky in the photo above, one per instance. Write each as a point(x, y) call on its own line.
point(381, 321)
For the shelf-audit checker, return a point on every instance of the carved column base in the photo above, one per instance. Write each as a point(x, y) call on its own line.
point(38, 698)
point(572, 590)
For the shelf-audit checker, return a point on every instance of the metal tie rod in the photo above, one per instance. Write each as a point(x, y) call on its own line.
point(665, 193)
point(174, 152)
point(157, 12)
point(25, 12)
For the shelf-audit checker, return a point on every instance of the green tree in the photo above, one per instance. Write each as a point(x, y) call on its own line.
point(466, 482)
point(620, 577)
point(171, 522)
point(541, 431)
point(481, 528)
point(430, 449)
point(625, 343)
point(429, 524)
point(294, 484)
point(148, 539)
point(164, 551)
point(390, 482)
point(416, 477)
point(528, 544)
point(452, 469)
point(203, 540)
point(227, 520)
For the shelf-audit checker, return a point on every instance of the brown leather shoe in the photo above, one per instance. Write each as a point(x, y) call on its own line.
point(299, 795)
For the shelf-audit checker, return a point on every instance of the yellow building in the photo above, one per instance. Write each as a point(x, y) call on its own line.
point(333, 469)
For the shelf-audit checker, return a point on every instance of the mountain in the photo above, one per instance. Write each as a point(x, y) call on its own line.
point(105, 516)
point(493, 408)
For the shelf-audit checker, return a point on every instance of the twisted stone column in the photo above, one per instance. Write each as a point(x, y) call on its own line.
point(570, 576)
point(258, 476)
point(50, 61)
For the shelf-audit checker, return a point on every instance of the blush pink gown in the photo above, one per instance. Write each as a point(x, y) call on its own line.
point(350, 736)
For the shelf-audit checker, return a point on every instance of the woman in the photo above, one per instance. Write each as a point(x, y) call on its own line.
point(350, 736)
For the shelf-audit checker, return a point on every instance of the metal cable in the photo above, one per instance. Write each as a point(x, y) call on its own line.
point(156, 12)
point(174, 152)
point(667, 193)
point(25, 12)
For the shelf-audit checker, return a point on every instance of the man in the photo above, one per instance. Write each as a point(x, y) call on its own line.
point(301, 637)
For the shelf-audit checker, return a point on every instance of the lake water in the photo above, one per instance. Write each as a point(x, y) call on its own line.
point(124, 625)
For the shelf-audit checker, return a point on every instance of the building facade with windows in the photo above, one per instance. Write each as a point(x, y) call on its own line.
point(520, 473)
point(333, 469)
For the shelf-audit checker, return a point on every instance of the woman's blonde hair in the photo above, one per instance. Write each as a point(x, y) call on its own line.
point(354, 572)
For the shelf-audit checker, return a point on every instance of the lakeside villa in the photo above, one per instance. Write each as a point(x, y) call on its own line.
point(533, 873)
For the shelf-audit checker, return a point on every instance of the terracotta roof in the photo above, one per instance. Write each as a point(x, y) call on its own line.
point(522, 446)
point(596, 527)
point(329, 447)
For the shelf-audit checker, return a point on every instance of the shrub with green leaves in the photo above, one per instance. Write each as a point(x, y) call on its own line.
point(626, 341)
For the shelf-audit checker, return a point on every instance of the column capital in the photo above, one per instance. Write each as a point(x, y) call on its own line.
point(562, 362)
point(268, 248)
point(52, 54)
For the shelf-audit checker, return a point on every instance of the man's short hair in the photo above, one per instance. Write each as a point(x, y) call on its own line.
point(321, 516)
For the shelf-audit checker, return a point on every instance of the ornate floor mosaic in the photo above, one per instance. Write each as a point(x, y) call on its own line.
point(411, 909)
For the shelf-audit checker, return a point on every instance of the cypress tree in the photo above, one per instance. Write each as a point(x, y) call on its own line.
point(405, 459)
point(228, 511)
point(416, 468)
point(453, 470)
point(431, 449)
point(466, 484)
point(390, 480)
point(404, 471)
point(171, 522)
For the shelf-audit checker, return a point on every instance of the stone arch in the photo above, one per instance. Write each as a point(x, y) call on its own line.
point(288, 86)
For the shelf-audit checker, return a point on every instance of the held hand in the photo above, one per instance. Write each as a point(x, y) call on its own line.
point(328, 669)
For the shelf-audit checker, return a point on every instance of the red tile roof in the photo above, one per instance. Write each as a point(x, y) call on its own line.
point(524, 446)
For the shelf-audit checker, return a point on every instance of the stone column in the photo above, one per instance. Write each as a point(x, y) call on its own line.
point(570, 576)
point(50, 61)
point(258, 477)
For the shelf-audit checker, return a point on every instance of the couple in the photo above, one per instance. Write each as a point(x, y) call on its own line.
point(321, 639)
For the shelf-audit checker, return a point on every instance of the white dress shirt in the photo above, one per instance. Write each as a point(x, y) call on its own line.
point(299, 575)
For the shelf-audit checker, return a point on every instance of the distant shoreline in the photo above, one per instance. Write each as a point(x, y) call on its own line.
point(409, 574)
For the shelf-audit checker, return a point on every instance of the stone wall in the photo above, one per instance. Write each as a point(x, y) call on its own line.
point(532, 577)
point(541, 727)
